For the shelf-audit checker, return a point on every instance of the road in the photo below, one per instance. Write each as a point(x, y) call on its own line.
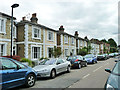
point(92, 76)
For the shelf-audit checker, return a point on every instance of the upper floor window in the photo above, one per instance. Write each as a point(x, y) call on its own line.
point(36, 33)
point(2, 25)
point(65, 39)
point(50, 36)
point(14, 32)
point(72, 40)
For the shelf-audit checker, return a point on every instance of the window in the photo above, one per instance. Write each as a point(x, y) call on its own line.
point(66, 52)
point(72, 40)
point(60, 61)
point(14, 50)
point(50, 36)
point(36, 33)
point(8, 64)
point(21, 65)
point(72, 51)
point(50, 50)
point(2, 49)
point(14, 32)
point(36, 52)
point(65, 39)
point(1, 25)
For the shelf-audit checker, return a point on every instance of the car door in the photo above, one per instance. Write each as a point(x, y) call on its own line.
point(60, 65)
point(8, 72)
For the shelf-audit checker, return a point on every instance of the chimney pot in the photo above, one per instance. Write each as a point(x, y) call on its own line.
point(76, 33)
point(23, 18)
point(61, 28)
point(34, 19)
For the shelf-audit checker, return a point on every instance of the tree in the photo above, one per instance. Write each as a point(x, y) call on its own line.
point(83, 51)
point(56, 52)
point(104, 40)
point(113, 45)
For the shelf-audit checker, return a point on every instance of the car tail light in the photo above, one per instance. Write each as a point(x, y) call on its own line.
point(76, 60)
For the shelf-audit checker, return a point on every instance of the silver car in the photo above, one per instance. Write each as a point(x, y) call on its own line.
point(49, 68)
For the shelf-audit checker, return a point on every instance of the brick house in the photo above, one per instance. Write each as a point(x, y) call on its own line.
point(5, 35)
point(34, 40)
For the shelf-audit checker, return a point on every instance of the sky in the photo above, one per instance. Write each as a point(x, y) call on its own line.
point(92, 18)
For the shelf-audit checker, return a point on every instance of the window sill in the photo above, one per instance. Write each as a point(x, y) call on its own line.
point(37, 38)
point(2, 32)
point(51, 40)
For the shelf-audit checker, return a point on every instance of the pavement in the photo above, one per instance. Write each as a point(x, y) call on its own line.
point(92, 76)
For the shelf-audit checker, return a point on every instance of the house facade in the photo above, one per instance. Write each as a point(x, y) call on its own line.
point(66, 42)
point(34, 40)
point(5, 35)
point(80, 42)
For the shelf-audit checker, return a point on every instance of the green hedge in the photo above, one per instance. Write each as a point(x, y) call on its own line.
point(27, 60)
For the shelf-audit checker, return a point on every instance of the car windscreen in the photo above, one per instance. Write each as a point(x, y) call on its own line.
point(87, 56)
point(116, 69)
point(48, 62)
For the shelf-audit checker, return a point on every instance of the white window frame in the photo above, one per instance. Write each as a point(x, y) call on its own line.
point(48, 36)
point(4, 26)
point(48, 50)
point(72, 40)
point(39, 33)
point(5, 48)
point(65, 39)
point(65, 52)
point(14, 31)
point(32, 46)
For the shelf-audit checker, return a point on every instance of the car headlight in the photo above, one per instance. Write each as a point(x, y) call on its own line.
point(41, 71)
point(109, 87)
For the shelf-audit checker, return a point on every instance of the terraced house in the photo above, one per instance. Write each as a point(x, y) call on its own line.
point(35, 40)
point(80, 42)
point(5, 35)
point(66, 42)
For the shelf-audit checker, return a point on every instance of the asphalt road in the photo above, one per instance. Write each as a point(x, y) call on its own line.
point(92, 76)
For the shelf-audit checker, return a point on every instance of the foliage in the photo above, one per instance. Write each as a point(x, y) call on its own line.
point(104, 40)
point(83, 51)
point(43, 58)
point(113, 45)
point(13, 57)
point(27, 60)
point(56, 52)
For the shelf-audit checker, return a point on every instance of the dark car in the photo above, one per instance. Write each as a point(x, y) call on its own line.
point(77, 61)
point(113, 81)
point(90, 58)
point(14, 73)
point(101, 57)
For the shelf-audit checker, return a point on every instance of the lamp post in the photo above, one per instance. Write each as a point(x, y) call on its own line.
point(13, 6)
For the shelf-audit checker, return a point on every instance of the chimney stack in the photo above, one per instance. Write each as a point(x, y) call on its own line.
point(23, 18)
point(76, 33)
point(34, 19)
point(61, 28)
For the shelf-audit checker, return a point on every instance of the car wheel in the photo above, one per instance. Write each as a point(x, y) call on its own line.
point(93, 62)
point(68, 69)
point(30, 81)
point(79, 66)
point(53, 74)
point(86, 64)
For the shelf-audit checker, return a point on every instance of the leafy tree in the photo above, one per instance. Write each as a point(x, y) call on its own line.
point(113, 45)
point(104, 40)
point(56, 52)
point(83, 51)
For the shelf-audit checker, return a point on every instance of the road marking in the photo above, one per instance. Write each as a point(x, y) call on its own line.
point(97, 69)
point(106, 64)
point(86, 76)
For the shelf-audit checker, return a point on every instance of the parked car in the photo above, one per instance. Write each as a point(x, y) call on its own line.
point(101, 57)
point(107, 56)
point(113, 80)
point(111, 55)
point(77, 61)
point(90, 58)
point(49, 68)
point(13, 73)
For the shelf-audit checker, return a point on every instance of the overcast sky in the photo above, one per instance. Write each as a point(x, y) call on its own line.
point(92, 18)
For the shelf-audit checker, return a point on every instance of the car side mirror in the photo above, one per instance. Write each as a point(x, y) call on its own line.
point(108, 70)
point(18, 67)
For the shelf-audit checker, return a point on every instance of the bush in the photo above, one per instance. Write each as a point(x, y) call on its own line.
point(13, 57)
point(27, 60)
point(43, 58)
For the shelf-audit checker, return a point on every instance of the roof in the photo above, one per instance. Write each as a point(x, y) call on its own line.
point(36, 24)
point(8, 16)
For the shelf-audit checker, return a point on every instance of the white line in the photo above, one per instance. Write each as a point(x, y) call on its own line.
point(86, 76)
point(97, 68)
